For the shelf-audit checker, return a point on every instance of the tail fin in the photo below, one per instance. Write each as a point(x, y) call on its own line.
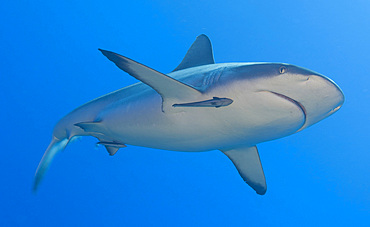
point(55, 146)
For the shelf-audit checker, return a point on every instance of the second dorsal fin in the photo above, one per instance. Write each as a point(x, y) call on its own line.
point(200, 53)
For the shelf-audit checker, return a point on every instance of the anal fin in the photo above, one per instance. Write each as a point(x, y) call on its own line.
point(112, 147)
point(111, 150)
point(248, 164)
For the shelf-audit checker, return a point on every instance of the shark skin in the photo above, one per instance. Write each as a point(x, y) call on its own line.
point(202, 106)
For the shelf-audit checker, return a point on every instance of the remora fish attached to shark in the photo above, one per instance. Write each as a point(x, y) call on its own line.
point(202, 106)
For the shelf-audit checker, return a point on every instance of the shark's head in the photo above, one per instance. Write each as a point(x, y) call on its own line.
point(315, 95)
point(318, 95)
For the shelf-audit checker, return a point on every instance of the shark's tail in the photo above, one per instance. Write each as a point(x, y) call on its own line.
point(55, 146)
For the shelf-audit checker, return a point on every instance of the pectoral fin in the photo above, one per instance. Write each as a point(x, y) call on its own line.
point(166, 86)
point(248, 164)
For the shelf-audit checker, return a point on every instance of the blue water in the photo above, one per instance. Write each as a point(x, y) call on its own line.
point(50, 65)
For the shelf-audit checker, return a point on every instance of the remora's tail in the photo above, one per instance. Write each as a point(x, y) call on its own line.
point(55, 146)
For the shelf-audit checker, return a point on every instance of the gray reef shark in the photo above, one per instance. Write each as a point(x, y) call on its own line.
point(202, 106)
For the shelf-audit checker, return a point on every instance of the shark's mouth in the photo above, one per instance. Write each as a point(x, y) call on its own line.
point(298, 104)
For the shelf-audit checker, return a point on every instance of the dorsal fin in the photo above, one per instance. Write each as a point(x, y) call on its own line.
point(200, 53)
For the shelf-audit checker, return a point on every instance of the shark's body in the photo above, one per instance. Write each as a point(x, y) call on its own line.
point(203, 106)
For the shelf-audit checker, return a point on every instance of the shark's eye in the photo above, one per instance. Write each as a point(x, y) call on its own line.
point(282, 69)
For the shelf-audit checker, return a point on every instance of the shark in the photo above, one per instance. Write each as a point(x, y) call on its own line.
point(202, 106)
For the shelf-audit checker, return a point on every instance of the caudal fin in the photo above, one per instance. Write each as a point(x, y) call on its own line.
point(55, 146)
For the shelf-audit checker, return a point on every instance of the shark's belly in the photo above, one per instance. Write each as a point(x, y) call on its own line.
point(141, 122)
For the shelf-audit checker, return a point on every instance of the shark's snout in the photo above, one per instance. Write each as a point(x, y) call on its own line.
point(334, 96)
point(322, 98)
